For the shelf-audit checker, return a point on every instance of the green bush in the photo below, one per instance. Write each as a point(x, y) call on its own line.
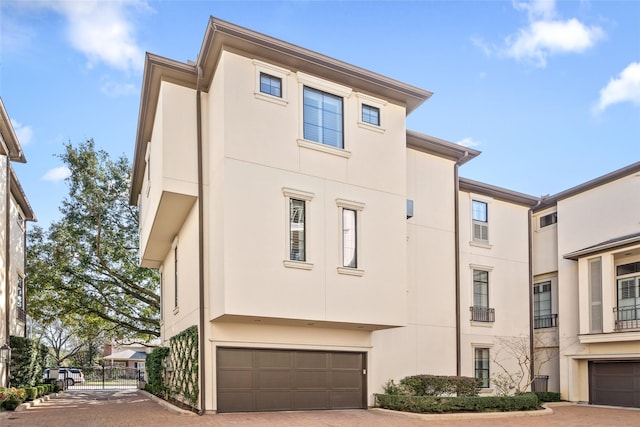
point(28, 359)
point(155, 371)
point(434, 404)
point(438, 385)
point(548, 396)
point(31, 393)
point(42, 390)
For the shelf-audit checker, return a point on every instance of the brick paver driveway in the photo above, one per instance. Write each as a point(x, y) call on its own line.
point(135, 408)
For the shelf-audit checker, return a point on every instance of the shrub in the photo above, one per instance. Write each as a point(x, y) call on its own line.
point(31, 393)
point(437, 385)
point(548, 396)
point(434, 404)
point(155, 371)
point(12, 397)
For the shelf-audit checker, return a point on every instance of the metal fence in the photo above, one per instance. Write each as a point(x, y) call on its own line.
point(105, 378)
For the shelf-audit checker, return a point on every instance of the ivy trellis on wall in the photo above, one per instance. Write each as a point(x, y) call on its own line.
point(183, 379)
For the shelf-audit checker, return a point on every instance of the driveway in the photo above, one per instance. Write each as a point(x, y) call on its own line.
point(136, 408)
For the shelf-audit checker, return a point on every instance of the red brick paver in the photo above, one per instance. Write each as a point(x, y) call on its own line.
point(134, 408)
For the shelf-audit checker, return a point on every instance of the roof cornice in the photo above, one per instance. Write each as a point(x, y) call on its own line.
point(21, 197)
point(439, 147)
point(498, 192)
point(10, 144)
point(616, 243)
point(548, 201)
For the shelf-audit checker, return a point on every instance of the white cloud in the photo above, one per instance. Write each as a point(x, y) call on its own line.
point(114, 89)
point(23, 132)
point(624, 88)
point(103, 32)
point(545, 35)
point(468, 142)
point(57, 174)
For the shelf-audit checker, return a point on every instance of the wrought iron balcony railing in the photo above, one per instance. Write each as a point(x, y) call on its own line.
point(482, 314)
point(545, 321)
point(627, 317)
point(22, 315)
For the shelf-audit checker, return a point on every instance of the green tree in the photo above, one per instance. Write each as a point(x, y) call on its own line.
point(84, 267)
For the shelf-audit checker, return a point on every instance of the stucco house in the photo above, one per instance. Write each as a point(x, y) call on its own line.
point(320, 246)
point(15, 211)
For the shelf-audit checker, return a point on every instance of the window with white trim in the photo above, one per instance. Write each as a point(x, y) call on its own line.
point(480, 219)
point(549, 219)
point(271, 83)
point(370, 115)
point(297, 202)
point(323, 117)
point(481, 365)
point(628, 295)
point(349, 226)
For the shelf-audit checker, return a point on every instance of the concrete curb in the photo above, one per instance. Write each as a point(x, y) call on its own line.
point(167, 405)
point(470, 415)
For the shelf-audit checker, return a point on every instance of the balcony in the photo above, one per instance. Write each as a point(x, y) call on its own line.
point(22, 315)
point(482, 314)
point(627, 317)
point(545, 321)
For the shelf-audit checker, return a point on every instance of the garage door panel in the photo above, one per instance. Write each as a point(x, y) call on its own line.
point(615, 383)
point(311, 360)
point(273, 379)
point(289, 380)
point(310, 379)
point(273, 359)
point(308, 400)
point(236, 379)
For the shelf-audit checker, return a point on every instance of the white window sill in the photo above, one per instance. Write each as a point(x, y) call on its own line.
point(270, 98)
point(371, 127)
point(350, 271)
point(317, 146)
point(482, 324)
point(480, 245)
point(301, 265)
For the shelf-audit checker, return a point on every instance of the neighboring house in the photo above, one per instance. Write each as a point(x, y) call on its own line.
point(14, 212)
point(586, 268)
point(320, 246)
point(132, 355)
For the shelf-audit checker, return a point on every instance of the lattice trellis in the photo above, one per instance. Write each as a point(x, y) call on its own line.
point(183, 380)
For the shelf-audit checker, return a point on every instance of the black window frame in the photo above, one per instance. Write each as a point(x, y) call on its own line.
point(368, 113)
point(270, 86)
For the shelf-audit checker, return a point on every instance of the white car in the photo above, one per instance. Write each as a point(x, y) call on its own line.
point(69, 375)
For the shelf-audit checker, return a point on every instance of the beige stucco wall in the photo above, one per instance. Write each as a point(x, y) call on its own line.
point(506, 258)
point(4, 283)
point(588, 218)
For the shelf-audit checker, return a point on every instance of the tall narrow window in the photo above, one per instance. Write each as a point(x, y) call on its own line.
point(627, 310)
point(297, 247)
point(323, 117)
point(480, 311)
point(595, 294)
point(481, 365)
point(349, 238)
point(271, 85)
point(175, 277)
point(20, 299)
point(479, 214)
point(542, 311)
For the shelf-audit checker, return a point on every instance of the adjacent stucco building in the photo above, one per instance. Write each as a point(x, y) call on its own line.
point(321, 247)
point(14, 212)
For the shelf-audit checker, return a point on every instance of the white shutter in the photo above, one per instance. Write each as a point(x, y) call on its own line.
point(480, 231)
point(595, 294)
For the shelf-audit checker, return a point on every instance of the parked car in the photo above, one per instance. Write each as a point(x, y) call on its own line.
point(69, 375)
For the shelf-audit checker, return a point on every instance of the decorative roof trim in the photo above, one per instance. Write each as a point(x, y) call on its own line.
point(439, 147)
point(10, 143)
point(548, 201)
point(618, 242)
point(498, 192)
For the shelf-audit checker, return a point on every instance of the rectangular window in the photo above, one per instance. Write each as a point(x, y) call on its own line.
point(595, 295)
point(271, 85)
point(548, 220)
point(542, 311)
point(627, 311)
point(20, 293)
point(296, 230)
point(480, 310)
point(481, 364)
point(175, 277)
point(323, 117)
point(479, 215)
point(370, 115)
point(349, 239)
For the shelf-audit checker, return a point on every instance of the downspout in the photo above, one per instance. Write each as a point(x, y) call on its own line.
point(456, 216)
point(7, 248)
point(532, 373)
point(201, 337)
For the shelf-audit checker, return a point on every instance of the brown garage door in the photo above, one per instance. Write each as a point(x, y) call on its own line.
point(614, 383)
point(285, 380)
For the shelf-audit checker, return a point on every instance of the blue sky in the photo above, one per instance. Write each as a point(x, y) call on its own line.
point(548, 91)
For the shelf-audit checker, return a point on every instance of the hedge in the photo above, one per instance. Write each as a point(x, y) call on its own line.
point(438, 385)
point(433, 404)
point(548, 396)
